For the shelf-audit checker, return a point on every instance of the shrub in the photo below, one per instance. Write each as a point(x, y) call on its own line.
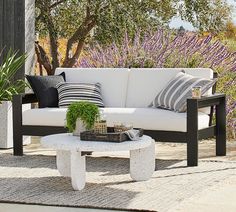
point(166, 49)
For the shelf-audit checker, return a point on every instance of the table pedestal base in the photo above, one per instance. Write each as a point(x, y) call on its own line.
point(142, 163)
point(73, 164)
point(63, 163)
point(78, 170)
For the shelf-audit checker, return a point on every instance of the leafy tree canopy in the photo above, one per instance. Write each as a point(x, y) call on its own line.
point(115, 16)
point(106, 20)
point(210, 16)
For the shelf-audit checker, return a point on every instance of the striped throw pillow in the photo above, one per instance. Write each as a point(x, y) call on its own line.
point(76, 92)
point(174, 96)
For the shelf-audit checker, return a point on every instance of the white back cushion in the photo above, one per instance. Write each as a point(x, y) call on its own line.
point(113, 82)
point(145, 83)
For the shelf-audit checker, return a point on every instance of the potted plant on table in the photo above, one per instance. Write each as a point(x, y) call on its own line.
point(81, 116)
point(9, 87)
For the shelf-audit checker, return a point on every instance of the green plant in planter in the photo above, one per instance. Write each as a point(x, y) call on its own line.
point(87, 112)
point(8, 87)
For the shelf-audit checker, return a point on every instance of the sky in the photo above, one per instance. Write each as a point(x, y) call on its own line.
point(177, 22)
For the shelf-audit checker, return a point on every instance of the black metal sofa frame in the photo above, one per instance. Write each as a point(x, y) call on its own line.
point(191, 137)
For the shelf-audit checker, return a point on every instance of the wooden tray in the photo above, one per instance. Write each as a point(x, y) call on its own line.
point(110, 136)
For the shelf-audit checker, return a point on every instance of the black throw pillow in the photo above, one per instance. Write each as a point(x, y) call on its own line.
point(45, 88)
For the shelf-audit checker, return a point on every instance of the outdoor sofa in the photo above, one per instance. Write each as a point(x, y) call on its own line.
point(127, 93)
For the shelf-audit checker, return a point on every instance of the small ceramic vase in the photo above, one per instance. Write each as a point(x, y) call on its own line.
point(80, 127)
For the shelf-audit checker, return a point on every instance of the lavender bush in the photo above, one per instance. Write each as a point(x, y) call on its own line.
point(166, 49)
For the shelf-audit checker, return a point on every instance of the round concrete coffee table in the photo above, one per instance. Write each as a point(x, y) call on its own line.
point(71, 161)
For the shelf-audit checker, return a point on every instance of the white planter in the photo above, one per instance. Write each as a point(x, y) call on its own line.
point(79, 128)
point(6, 127)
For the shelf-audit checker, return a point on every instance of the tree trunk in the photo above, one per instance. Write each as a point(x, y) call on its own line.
point(43, 59)
point(46, 17)
point(70, 62)
point(79, 36)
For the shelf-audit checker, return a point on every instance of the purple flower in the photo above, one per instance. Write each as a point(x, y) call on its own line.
point(163, 48)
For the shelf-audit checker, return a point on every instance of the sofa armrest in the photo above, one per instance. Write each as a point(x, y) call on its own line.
point(18, 101)
point(212, 100)
point(206, 101)
point(25, 98)
point(219, 130)
point(217, 100)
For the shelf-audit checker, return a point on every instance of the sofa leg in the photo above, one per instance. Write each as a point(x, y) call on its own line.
point(192, 152)
point(17, 125)
point(18, 145)
point(192, 133)
point(221, 129)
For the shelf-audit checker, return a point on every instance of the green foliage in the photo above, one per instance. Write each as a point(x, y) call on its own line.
point(8, 87)
point(86, 111)
point(128, 16)
point(209, 16)
point(67, 17)
point(230, 31)
point(114, 17)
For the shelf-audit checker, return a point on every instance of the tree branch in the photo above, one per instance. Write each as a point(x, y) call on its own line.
point(53, 43)
point(71, 61)
point(37, 19)
point(80, 35)
point(56, 3)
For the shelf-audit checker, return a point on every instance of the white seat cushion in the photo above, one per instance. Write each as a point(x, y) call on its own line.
point(113, 82)
point(146, 118)
point(45, 117)
point(152, 118)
